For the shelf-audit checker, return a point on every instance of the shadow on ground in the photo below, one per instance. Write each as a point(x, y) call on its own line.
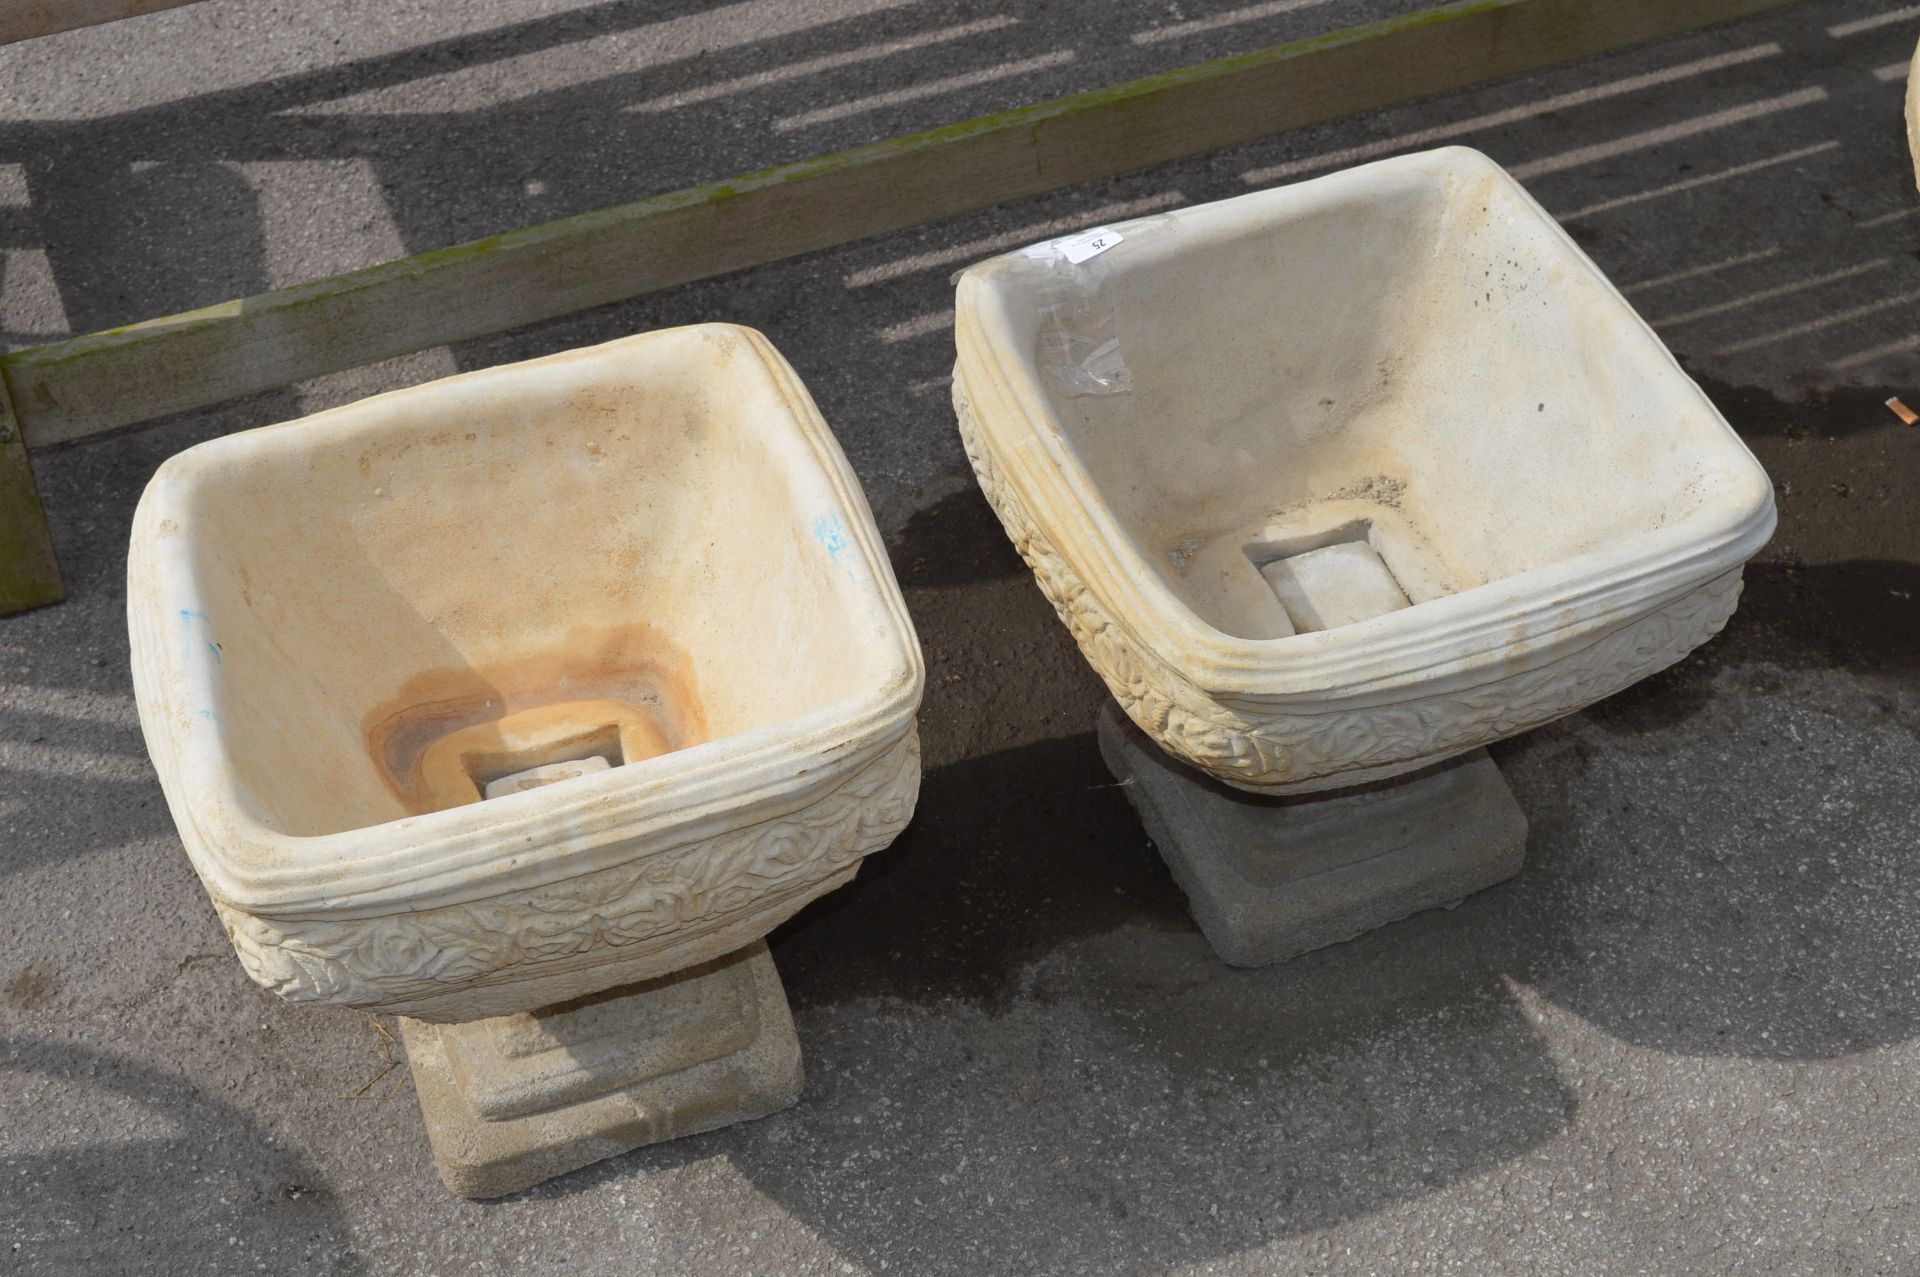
point(222, 1192)
point(1055, 1030)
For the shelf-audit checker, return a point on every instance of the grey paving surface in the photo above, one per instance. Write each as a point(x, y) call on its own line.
point(1684, 1040)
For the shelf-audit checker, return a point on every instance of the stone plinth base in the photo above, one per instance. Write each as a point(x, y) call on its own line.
point(518, 1099)
point(1268, 879)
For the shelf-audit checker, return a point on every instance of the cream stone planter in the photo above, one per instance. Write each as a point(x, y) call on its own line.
point(1335, 483)
point(1402, 384)
point(646, 561)
point(1913, 112)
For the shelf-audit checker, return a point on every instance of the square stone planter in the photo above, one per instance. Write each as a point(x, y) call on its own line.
point(1336, 481)
point(515, 687)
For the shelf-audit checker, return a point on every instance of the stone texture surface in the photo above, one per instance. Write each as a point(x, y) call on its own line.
point(1564, 508)
point(1272, 878)
point(515, 1100)
point(335, 640)
point(1913, 113)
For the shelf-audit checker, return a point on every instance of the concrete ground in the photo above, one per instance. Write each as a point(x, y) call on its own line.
point(1684, 1040)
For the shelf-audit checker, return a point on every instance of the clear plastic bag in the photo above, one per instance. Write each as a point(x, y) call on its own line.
point(1079, 336)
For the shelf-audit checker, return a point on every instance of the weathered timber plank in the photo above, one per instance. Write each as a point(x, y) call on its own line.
point(27, 19)
point(102, 381)
point(29, 575)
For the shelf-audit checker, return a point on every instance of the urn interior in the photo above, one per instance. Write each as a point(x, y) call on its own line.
point(646, 561)
point(1390, 386)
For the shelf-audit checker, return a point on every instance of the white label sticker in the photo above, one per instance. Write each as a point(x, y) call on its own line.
point(1092, 243)
point(1077, 248)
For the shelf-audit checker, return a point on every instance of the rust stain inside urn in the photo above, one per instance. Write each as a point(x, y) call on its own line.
point(438, 739)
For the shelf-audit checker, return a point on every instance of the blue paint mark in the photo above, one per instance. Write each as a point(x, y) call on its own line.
point(188, 619)
point(204, 713)
point(828, 532)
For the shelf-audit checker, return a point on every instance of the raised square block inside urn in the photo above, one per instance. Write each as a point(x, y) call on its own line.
point(648, 554)
point(1401, 391)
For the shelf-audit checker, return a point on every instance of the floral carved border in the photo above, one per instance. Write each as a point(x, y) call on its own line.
point(651, 903)
point(1291, 752)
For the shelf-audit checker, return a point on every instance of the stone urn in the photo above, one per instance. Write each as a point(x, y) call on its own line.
point(523, 704)
point(1913, 112)
point(1335, 484)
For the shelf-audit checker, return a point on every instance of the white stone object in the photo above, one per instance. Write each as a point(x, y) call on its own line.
point(1408, 364)
point(546, 774)
point(1335, 585)
point(1913, 112)
point(346, 628)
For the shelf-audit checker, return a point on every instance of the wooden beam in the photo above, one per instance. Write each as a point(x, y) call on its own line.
point(27, 19)
point(105, 380)
point(29, 575)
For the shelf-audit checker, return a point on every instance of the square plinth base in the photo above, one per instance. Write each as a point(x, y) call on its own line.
point(1268, 879)
point(518, 1099)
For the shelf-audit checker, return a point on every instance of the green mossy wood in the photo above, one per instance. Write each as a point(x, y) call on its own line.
point(102, 381)
point(105, 380)
point(29, 576)
point(31, 19)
